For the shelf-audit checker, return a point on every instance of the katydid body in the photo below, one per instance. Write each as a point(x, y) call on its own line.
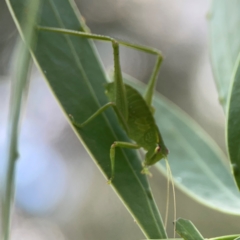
point(141, 126)
point(135, 113)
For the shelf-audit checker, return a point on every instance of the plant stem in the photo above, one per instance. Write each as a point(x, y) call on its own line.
point(21, 68)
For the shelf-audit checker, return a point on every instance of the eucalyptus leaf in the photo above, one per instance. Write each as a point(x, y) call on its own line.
point(229, 237)
point(76, 77)
point(224, 21)
point(233, 125)
point(225, 49)
point(187, 230)
point(21, 67)
point(198, 165)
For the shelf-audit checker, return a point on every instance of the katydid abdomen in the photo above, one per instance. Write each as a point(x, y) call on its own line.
point(141, 125)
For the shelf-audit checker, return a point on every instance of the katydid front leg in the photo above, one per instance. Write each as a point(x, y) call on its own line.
point(99, 111)
point(116, 143)
point(112, 154)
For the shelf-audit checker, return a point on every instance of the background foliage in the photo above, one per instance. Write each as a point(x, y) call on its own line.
point(173, 83)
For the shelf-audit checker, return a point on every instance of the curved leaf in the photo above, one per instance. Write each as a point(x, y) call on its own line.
point(187, 230)
point(197, 164)
point(225, 43)
point(225, 48)
point(233, 124)
point(229, 237)
point(76, 77)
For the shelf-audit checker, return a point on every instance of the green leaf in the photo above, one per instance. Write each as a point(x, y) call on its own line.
point(233, 125)
point(198, 165)
point(225, 43)
point(21, 66)
point(229, 237)
point(76, 77)
point(187, 230)
point(225, 48)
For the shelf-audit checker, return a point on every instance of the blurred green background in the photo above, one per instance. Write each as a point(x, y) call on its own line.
point(60, 193)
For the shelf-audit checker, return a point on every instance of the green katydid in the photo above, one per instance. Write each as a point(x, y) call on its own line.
point(135, 113)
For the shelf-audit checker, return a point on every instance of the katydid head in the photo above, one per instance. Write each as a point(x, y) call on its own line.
point(155, 154)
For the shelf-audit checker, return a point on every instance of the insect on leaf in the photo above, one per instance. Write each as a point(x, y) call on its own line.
point(76, 77)
point(198, 165)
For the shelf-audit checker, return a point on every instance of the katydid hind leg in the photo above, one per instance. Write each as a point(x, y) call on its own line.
point(118, 75)
point(119, 88)
point(152, 81)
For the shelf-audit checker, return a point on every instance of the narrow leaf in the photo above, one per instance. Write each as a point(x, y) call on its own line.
point(21, 68)
point(187, 230)
point(229, 237)
point(233, 125)
point(225, 48)
point(75, 75)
